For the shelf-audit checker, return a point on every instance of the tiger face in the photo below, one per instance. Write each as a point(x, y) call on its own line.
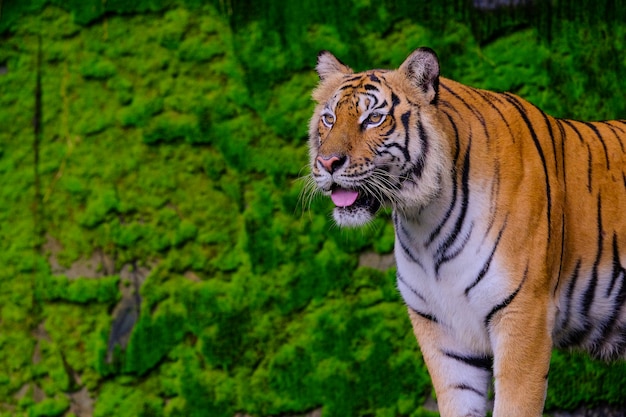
point(373, 139)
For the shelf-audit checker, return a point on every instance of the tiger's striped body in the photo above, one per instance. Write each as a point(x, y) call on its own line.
point(509, 230)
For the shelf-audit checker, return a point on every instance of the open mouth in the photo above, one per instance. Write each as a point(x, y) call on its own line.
point(349, 199)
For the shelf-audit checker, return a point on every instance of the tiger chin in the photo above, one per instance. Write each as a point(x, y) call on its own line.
point(509, 230)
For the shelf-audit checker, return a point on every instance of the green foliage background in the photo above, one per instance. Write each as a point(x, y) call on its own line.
point(165, 169)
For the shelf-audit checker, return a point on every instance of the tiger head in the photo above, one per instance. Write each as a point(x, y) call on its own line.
point(374, 139)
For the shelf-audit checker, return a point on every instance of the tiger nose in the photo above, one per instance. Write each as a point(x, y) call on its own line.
point(333, 163)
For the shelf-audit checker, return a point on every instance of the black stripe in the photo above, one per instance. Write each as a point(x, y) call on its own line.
point(610, 123)
point(561, 255)
point(567, 312)
point(442, 249)
point(508, 300)
point(562, 131)
point(467, 387)
point(593, 282)
point(485, 95)
point(395, 100)
point(475, 112)
point(448, 256)
point(446, 216)
point(447, 104)
point(371, 87)
point(418, 166)
point(428, 317)
point(551, 134)
point(571, 125)
point(487, 264)
point(494, 193)
point(618, 137)
point(610, 326)
point(546, 118)
point(622, 121)
point(405, 150)
point(589, 169)
point(391, 130)
point(617, 266)
point(401, 279)
point(601, 139)
point(373, 103)
point(381, 105)
point(513, 100)
point(353, 79)
point(423, 137)
point(481, 362)
point(401, 235)
point(589, 155)
point(577, 336)
point(392, 110)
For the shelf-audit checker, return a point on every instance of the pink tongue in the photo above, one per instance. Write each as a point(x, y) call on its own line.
point(344, 198)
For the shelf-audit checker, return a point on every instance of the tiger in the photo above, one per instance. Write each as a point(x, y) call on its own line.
point(510, 237)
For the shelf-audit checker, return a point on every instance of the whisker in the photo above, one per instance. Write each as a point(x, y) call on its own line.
point(308, 193)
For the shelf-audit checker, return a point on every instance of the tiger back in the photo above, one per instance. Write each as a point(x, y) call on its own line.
point(509, 237)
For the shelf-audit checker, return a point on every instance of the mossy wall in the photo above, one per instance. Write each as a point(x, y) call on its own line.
point(156, 256)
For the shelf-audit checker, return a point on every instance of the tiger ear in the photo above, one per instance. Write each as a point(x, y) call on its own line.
point(328, 65)
point(422, 69)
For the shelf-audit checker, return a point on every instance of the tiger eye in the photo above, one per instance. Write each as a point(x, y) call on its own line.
point(375, 118)
point(328, 119)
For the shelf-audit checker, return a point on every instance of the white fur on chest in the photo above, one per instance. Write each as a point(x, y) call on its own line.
point(439, 290)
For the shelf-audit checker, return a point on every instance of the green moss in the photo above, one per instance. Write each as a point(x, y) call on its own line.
point(77, 335)
point(97, 67)
point(214, 166)
point(50, 371)
point(318, 364)
point(174, 27)
point(186, 231)
point(200, 50)
point(422, 412)
point(81, 290)
point(140, 111)
point(154, 336)
point(122, 87)
point(290, 107)
point(50, 407)
point(99, 207)
point(385, 240)
point(577, 381)
point(75, 186)
point(211, 393)
point(169, 127)
point(118, 398)
point(16, 350)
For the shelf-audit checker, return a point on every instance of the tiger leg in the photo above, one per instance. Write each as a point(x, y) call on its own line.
point(522, 347)
point(461, 379)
